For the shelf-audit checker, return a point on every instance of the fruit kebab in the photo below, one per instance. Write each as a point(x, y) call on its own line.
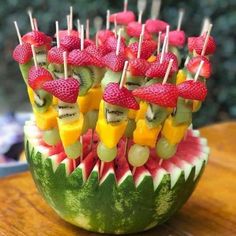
point(161, 99)
point(70, 119)
point(112, 122)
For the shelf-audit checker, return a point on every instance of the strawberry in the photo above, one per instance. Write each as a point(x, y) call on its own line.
point(69, 43)
point(111, 43)
point(103, 35)
point(191, 41)
point(114, 62)
point(138, 67)
point(134, 29)
point(37, 38)
point(192, 90)
point(66, 90)
point(176, 38)
point(158, 70)
point(63, 33)
point(155, 26)
point(199, 42)
point(194, 64)
point(55, 55)
point(123, 18)
point(22, 53)
point(167, 56)
point(38, 76)
point(164, 95)
point(88, 42)
point(148, 48)
point(95, 51)
point(122, 97)
point(79, 58)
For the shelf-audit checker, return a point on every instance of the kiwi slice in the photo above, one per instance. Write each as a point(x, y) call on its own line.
point(24, 69)
point(133, 40)
point(110, 77)
point(41, 56)
point(85, 77)
point(155, 115)
point(150, 81)
point(68, 112)
point(42, 100)
point(133, 82)
point(57, 70)
point(183, 112)
point(115, 114)
point(97, 75)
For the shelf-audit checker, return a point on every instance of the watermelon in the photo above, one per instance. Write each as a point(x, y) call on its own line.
point(114, 201)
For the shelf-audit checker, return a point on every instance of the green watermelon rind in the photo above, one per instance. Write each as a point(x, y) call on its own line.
point(108, 207)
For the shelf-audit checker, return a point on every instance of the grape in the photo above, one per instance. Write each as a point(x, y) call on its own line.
point(138, 155)
point(73, 151)
point(92, 117)
point(130, 128)
point(106, 154)
point(51, 137)
point(85, 124)
point(164, 149)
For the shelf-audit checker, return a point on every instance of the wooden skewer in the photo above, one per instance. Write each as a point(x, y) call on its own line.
point(163, 49)
point(123, 76)
point(168, 71)
point(125, 5)
point(186, 61)
point(118, 43)
point(96, 39)
point(31, 20)
point(140, 41)
point(141, 5)
point(180, 18)
point(36, 24)
point(206, 40)
point(78, 27)
point(97, 21)
point(167, 39)
point(155, 9)
point(74, 163)
point(81, 155)
point(71, 18)
point(126, 146)
point(205, 25)
point(133, 170)
point(160, 162)
point(101, 168)
point(34, 56)
point(68, 24)
point(82, 37)
point(159, 43)
point(140, 17)
point(198, 71)
point(65, 65)
point(57, 34)
point(18, 33)
point(115, 26)
point(108, 20)
point(87, 29)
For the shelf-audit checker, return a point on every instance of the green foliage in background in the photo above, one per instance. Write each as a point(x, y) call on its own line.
point(221, 101)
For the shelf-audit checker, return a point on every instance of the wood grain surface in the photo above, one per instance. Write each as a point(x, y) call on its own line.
point(210, 211)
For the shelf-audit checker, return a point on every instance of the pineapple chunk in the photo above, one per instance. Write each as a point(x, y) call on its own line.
point(143, 135)
point(142, 111)
point(152, 58)
point(31, 95)
point(132, 114)
point(181, 77)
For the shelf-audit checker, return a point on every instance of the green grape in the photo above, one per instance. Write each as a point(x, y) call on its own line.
point(130, 128)
point(106, 154)
point(138, 155)
point(85, 124)
point(92, 117)
point(165, 150)
point(51, 137)
point(73, 151)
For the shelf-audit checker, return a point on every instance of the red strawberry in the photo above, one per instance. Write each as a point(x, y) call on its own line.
point(123, 18)
point(63, 33)
point(191, 43)
point(88, 42)
point(134, 29)
point(120, 97)
point(55, 55)
point(37, 38)
point(167, 56)
point(22, 53)
point(70, 43)
point(94, 51)
point(79, 58)
point(66, 90)
point(199, 42)
point(138, 67)
point(164, 95)
point(148, 48)
point(158, 70)
point(38, 76)
point(114, 62)
point(192, 90)
point(154, 26)
point(176, 38)
point(103, 35)
point(111, 43)
point(194, 64)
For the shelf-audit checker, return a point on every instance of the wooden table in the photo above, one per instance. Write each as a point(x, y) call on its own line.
point(210, 211)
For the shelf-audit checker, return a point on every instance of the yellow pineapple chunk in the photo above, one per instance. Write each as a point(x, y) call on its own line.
point(132, 114)
point(46, 120)
point(152, 58)
point(31, 95)
point(142, 110)
point(181, 77)
point(174, 134)
point(70, 132)
point(143, 135)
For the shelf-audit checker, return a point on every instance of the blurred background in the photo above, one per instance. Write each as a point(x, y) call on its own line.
point(221, 101)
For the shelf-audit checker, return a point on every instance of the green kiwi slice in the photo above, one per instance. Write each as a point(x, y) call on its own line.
point(24, 68)
point(85, 77)
point(57, 70)
point(155, 115)
point(68, 112)
point(133, 82)
point(97, 75)
point(133, 40)
point(110, 77)
point(42, 100)
point(41, 56)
